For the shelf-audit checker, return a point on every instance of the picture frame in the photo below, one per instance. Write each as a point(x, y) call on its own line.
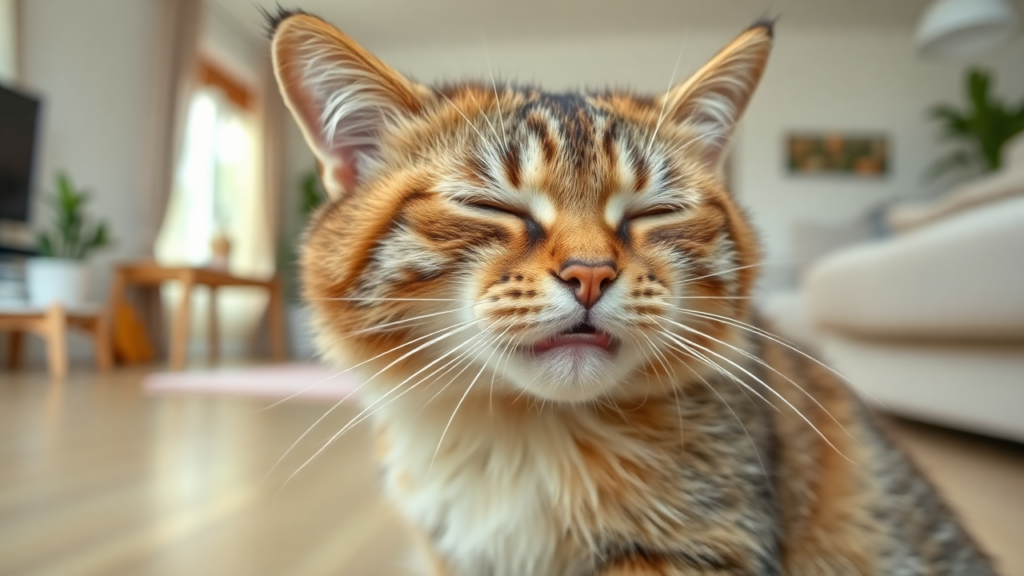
point(842, 154)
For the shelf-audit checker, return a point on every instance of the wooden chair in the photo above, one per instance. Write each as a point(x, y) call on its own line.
point(52, 325)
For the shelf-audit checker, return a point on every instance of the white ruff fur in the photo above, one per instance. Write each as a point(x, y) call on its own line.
point(506, 486)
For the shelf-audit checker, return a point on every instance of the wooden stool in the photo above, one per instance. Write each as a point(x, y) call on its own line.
point(52, 325)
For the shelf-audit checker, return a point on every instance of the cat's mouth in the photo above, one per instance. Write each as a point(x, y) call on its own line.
point(583, 335)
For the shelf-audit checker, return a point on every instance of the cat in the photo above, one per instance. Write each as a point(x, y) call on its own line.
point(548, 297)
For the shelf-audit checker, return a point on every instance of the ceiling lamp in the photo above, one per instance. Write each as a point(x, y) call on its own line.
point(960, 28)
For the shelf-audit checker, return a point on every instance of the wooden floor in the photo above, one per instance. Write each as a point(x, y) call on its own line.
point(97, 479)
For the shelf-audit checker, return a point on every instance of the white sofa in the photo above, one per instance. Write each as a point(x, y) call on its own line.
point(929, 323)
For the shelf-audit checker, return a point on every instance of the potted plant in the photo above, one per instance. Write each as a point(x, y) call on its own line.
point(982, 128)
point(60, 274)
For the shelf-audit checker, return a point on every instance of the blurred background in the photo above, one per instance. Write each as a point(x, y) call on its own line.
point(153, 188)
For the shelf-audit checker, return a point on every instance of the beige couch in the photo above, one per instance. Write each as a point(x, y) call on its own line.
point(929, 322)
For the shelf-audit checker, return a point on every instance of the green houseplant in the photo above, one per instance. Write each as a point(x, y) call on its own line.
point(981, 129)
point(311, 196)
point(72, 236)
point(60, 274)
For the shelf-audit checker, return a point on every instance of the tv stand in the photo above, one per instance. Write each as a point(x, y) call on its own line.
point(16, 251)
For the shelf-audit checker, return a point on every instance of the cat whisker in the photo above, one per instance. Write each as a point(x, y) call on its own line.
point(461, 400)
point(681, 344)
point(488, 121)
point(778, 340)
point(517, 342)
point(766, 386)
point(664, 102)
point(755, 358)
point(497, 100)
point(375, 329)
point(733, 322)
point(737, 268)
point(479, 349)
point(435, 375)
point(661, 360)
point(350, 368)
point(699, 137)
point(490, 395)
point(431, 342)
point(368, 409)
point(463, 114)
point(647, 362)
point(369, 299)
point(708, 298)
point(757, 453)
point(367, 413)
point(661, 357)
point(396, 329)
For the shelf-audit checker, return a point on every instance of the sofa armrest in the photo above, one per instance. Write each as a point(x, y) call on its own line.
point(960, 278)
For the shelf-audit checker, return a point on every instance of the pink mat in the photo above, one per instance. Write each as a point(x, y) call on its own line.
point(273, 381)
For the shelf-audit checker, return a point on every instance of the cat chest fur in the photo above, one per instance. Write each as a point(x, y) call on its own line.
point(505, 486)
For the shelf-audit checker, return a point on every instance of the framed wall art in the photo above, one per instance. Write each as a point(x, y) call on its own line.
point(837, 154)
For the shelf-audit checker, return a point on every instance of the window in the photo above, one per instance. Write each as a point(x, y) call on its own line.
point(217, 198)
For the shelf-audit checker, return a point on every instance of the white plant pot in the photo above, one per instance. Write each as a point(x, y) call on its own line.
point(56, 281)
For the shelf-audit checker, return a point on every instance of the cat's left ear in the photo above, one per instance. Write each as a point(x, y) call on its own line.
point(342, 96)
point(713, 99)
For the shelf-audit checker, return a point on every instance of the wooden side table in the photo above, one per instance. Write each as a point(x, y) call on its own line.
point(153, 274)
point(52, 325)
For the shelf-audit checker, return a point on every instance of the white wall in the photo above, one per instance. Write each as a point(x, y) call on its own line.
point(232, 46)
point(94, 80)
point(8, 42)
point(857, 80)
point(93, 77)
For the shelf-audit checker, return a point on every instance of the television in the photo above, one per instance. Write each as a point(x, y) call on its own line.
point(19, 118)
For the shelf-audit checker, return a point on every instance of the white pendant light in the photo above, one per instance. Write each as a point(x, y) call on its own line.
point(960, 28)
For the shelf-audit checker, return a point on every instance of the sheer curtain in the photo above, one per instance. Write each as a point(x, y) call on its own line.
point(173, 82)
point(219, 191)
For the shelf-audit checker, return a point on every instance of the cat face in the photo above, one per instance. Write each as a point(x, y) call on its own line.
point(580, 245)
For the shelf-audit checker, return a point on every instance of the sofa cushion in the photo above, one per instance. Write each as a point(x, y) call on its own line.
point(974, 387)
point(960, 278)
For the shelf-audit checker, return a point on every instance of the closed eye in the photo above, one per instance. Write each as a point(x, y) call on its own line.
point(533, 229)
point(657, 210)
point(491, 206)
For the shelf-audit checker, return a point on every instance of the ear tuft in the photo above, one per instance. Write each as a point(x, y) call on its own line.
point(273, 18)
point(342, 96)
point(767, 23)
point(712, 101)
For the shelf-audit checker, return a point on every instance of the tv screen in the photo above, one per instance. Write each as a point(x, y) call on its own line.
point(19, 114)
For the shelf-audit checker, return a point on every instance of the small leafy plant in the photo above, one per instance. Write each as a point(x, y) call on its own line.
point(311, 196)
point(982, 128)
point(73, 236)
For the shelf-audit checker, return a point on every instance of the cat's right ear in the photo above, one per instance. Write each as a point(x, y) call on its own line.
point(341, 95)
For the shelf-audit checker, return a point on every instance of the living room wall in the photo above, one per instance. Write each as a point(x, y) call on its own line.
point(93, 77)
point(8, 41)
point(819, 79)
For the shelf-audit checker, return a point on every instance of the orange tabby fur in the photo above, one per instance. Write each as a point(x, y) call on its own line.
point(526, 429)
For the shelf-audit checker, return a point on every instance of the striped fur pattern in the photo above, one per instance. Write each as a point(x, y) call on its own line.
point(546, 295)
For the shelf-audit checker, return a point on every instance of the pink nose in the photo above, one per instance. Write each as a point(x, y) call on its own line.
point(588, 282)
